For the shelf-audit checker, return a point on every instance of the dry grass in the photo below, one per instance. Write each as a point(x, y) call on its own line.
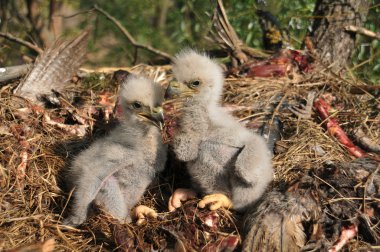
point(32, 201)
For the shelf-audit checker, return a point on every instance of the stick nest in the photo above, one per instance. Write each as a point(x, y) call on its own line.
point(34, 154)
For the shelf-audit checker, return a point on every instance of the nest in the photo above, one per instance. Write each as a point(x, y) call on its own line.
point(34, 154)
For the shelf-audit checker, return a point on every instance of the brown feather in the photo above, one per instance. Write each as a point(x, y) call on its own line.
point(277, 224)
point(54, 68)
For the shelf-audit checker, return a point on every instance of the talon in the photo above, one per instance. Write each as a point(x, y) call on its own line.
point(216, 201)
point(179, 195)
point(140, 213)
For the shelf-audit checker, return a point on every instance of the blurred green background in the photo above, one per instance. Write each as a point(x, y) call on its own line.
point(170, 25)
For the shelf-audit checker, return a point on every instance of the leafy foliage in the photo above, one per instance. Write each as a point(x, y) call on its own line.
point(366, 59)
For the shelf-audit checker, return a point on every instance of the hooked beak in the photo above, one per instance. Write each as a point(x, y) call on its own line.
point(158, 116)
point(177, 89)
point(155, 116)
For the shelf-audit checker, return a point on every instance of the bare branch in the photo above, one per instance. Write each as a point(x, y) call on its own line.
point(366, 142)
point(12, 38)
point(363, 31)
point(9, 73)
point(305, 111)
point(75, 14)
point(225, 35)
point(130, 37)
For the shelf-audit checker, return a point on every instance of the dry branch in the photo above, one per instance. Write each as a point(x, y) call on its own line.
point(130, 38)
point(363, 89)
point(46, 246)
point(366, 142)
point(13, 72)
point(362, 31)
point(12, 38)
point(305, 111)
point(225, 36)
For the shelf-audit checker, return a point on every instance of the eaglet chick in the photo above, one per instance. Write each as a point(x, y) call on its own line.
point(116, 169)
point(226, 162)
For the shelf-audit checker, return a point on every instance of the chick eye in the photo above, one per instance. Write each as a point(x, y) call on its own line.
point(136, 105)
point(195, 83)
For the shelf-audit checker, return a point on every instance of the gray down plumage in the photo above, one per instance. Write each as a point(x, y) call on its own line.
point(116, 169)
point(223, 157)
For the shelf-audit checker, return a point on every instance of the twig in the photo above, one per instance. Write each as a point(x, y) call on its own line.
point(75, 14)
point(225, 35)
point(362, 31)
point(76, 129)
point(12, 38)
point(364, 89)
point(130, 37)
point(13, 72)
point(304, 111)
point(366, 142)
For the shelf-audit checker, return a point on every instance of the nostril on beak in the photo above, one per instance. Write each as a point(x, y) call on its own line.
point(158, 114)
point(157, 110)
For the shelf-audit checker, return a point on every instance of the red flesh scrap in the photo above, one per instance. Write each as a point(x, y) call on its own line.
point(281, 64)
point(107, 103)
point(171, 121)
point(269, 70)
point(346, 235)
point(21, 133)
point(332, 126)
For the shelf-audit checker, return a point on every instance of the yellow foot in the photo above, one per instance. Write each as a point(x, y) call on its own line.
point(48, 245)
point(179, 195)
point(140, 213)
point(215, 201)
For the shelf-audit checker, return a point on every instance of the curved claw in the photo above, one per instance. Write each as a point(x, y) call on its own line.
point(140, 213)
point(216, 201)
point(179, 195)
